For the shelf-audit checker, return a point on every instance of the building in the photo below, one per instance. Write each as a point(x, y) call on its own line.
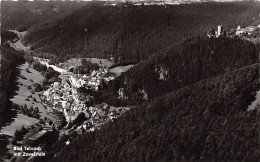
point(249, 30)
point(220, 30)
point(66, 95)
point(215, 34)
point(239, 32)
point(36, 135)
point(56, 85)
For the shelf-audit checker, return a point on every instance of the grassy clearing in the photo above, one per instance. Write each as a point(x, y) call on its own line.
point(120, 69)
point(101, 62)
point(19, 121)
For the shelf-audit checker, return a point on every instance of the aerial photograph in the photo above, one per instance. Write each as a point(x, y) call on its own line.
point(130, 81)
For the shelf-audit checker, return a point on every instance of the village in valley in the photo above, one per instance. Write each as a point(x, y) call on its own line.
point(129, 80)
point(68, 103)
point(72, 95)
point(66, 97)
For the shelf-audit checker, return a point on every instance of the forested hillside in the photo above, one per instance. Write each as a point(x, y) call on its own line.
point(187, 63)
point(6, 35)
point(9, 60)
point(135, 32)
point(206, 121)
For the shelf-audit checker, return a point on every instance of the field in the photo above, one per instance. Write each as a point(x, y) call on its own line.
point(18, 45)
point(120, 69)
point(255, 103)
point(101, 62)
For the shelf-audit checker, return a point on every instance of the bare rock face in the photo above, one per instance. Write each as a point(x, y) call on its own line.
point(37, 11)
point(163, 73)
point(144, 93)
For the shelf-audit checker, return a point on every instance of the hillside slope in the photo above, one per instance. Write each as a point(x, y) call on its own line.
point(205, 121)
point(9, 60)
point(132, 33)
point(181, 65)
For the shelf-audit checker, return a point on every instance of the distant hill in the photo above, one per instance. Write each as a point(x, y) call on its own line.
point(133, 33)
point(24, 14)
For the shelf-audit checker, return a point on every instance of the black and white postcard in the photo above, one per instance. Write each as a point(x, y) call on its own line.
point(130, 81)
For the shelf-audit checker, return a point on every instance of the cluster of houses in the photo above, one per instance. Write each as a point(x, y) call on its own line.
point(250, 33)
point(65, 97)
point(249, 30)
point(99, 115)
point(58, 96)
point(94, 80)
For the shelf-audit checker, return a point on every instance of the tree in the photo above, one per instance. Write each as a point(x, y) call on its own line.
point(80, 118)
point(14, 141)
point(213, 31)
point(18, 135)
point(23, 130)
point(22, 110)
